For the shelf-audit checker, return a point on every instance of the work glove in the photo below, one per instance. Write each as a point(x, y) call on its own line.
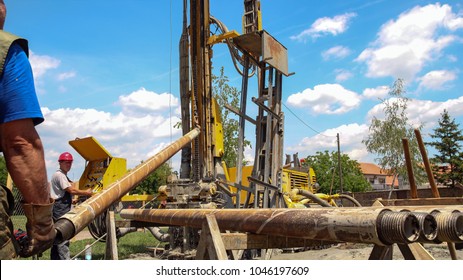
point(40, 230)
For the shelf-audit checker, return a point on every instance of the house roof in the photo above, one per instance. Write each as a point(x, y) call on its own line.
point(373, 169)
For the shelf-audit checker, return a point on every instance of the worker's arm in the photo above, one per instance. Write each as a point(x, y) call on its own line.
point(74, 190)
point(24, 156)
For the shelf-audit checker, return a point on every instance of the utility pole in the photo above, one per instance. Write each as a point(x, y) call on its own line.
point(339, 164)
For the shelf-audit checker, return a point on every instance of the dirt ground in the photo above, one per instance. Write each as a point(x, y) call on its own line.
point(350, 251)
point(341, 251)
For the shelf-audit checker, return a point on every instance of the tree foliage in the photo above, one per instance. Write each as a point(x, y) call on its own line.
point(385, 137)
point(325, 165)
point(3, 171)
point(156, 179)
point(449, 150)
point(226, 94)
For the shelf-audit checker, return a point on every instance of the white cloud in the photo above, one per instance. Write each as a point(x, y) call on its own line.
point(336, 52)
point(42, 63)
point(343, 75)
point(405, 45)
point(425, 112)
point(350, 138)
point(135, 138)
point(377, 92)
point(325, 99)
point(66, 75)
point(437, 79)
point(322, 26)
point(142, 102)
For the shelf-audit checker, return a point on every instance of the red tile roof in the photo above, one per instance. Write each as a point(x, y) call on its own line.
point(373, 169)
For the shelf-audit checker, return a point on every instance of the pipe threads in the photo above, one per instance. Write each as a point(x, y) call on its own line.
point(428, 226)
point(398, 227)
point(449, 226)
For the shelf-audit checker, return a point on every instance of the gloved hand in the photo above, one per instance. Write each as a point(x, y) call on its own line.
point(40, 230)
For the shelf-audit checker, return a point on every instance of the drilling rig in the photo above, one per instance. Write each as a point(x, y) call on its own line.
point(204, 180)
point(255, 52)
point(249, 204)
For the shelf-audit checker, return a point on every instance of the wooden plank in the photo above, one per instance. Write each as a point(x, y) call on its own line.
point(243, 241)
point(111, 240)
point(381, 253)
point(414, 251)
point(210, 244)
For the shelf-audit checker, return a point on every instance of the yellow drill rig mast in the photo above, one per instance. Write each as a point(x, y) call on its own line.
point(254, 52)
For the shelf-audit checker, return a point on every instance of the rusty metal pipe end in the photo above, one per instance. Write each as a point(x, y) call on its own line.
point(397, 227)
point(65, 230)
point(449, 226)
point(428, 227)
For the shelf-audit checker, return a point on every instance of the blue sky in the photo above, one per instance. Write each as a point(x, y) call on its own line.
point(109, 69)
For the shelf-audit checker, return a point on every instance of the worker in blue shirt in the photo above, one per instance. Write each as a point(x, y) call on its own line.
point(22, 149)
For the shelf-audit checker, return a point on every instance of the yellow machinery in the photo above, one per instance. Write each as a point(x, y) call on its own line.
point(101, 168)
point(292, 177)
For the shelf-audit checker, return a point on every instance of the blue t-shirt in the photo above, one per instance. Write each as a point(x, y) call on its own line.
point(18, 99)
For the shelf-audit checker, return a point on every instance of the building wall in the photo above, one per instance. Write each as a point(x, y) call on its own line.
point(367, 198)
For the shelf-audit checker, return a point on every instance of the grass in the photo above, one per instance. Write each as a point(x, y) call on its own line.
point(132, 243)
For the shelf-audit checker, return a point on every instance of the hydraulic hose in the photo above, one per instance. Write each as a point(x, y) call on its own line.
point(312, 196)
point(351, 199)
point(159, 234)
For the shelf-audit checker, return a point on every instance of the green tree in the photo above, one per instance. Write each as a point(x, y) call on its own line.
point(226, 94)
point(156, 179)
point(449, 151)
point(385, 137)
point(325, 165)
point(3, 171)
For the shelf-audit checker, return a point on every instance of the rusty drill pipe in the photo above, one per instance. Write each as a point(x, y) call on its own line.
point(449, 226)
point(424, 208)
point(358, 224)
point(428, 230)
point(428, 225)
point(79, 217)
point(427, 165)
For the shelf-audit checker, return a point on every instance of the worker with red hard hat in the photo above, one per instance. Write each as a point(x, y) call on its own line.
point(62, 191)
point(65, 156)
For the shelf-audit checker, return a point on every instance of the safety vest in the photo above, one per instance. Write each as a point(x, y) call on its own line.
point(6, 39)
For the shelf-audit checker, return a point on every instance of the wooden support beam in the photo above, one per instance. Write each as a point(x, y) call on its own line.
point(411, 176)
point(381, 253)
point(210, 243)
point(243, 241)
point(111, 240)
point(414, 251)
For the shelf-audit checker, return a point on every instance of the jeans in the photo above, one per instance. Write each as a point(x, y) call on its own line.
point(60, 251)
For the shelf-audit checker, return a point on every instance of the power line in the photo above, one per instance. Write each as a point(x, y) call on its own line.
point(304, 123)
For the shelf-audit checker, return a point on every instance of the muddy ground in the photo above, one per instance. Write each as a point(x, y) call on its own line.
point(342, 251)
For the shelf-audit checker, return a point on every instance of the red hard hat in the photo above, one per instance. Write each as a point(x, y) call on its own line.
point(65, 157)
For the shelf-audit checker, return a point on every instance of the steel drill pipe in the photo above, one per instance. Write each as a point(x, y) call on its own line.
point(449, 226)
point(358, 224)
point(428, 230)
point(79, 217)
point(424, 208)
